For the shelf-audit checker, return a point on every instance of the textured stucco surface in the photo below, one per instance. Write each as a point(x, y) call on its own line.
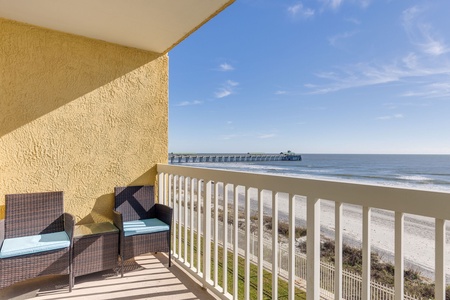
point(78, 115)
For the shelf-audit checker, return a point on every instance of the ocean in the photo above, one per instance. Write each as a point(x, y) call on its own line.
point(425, 172)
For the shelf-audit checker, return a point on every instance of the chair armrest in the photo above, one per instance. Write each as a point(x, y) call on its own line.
point(164, 213)
point(69, 225)
point(2, 232)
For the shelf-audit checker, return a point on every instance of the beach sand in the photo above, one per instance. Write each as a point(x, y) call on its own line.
point(419, 233)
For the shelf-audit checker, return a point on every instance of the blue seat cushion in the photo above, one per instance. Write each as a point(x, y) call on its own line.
point(144, 226)
point(34, 244)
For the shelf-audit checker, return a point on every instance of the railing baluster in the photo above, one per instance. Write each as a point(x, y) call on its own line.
point(338, 251)
point(366, 253)
point(274, 245)
point(225, 238)
point(192, 222)
point(216, 234)
point(440, 259)
point(260, 244)
point(161, 188)
point(207, 232)
point(169, 189)
point(399, 261)
point(186, 192)
point(199, 223)
point(175, 215)
point(313, 248)
point(181, 197)
point(236, 244)
point(247, 244)
point(291, 260)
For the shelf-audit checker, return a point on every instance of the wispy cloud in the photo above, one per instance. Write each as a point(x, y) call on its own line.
point(367, 74)
point(432, 90)
point(427, 63)
point(187, 103)
point(280, 92)
point(421, 33)
point(225, 67)
point(229, 136)
point(227, 89)
point(267, 136)
point(334, 40)
point(354, 21)
point(335, 3)
point(223, 92)
point(299, 10)
point(390, 117)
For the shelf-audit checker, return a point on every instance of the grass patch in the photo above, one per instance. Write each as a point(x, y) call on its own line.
point(267, 276)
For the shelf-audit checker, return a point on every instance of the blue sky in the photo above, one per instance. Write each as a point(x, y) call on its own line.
point(317, 76)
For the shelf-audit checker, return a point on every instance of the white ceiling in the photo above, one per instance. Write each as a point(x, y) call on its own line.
point(154, 25)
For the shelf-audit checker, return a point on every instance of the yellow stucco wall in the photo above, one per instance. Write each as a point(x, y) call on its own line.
point(80, 116)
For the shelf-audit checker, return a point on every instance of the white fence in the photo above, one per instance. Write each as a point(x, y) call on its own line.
point(352, 282)
point(194, 186)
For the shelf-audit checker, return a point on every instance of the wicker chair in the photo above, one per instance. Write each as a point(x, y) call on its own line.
point(35, 214)
point(136, 204)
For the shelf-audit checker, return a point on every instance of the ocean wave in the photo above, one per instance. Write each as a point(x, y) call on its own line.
point(414, 178)
point(373, 170)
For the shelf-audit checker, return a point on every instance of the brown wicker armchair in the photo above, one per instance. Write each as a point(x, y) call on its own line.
point(145, 226)
point(38, 217)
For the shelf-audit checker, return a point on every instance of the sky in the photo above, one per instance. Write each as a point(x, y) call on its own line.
point(317, 76)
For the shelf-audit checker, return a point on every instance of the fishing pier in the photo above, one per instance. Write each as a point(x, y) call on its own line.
point(230, 157)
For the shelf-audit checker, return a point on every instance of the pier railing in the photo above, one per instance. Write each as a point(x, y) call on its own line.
point(198, 197)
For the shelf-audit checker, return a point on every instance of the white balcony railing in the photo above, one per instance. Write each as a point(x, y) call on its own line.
point(196, 195)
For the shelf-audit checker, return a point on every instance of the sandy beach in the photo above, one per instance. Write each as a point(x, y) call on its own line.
point(418, 231)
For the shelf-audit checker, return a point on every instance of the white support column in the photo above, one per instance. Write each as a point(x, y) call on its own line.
point(207, 233)
point(291, 260)
point(260, 244)
point(236, 244)
point(399, 261)
point(313, 248)
point(338, 251)
point(247, 244)
point(274, 245)
point(366, 253)
point(225, 238)
point(440, 259)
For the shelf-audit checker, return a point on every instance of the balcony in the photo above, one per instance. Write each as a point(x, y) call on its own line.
point(257, 265)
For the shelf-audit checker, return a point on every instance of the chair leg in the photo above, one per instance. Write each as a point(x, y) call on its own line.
point(170, 259)
point(71, 277)
point(121, 266)
point(71, 282)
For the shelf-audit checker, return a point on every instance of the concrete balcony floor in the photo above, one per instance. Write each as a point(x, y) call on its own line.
point(146, 277)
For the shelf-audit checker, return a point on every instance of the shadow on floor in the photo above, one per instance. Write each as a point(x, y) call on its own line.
point(146, 277)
